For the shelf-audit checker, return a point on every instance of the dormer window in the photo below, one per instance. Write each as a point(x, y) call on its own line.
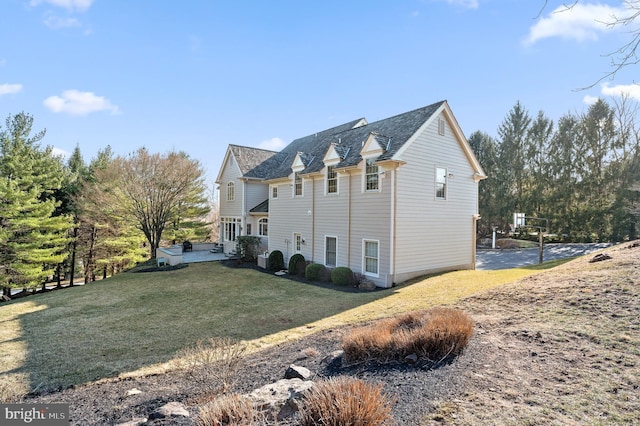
point(372, 179)
point(297, 184)
point(231, 191)
point(332, 180)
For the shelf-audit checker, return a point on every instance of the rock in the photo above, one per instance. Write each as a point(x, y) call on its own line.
point(367, 285)
point(137, 421)
point(280, 398)
point(297, 372)
point(600, 257)
point(411, 359)
point(333, 357)
point(171, 409)
point(132, 392)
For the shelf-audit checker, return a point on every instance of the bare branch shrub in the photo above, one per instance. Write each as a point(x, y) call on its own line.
point(345, 401)
point(230, 409)
point(214, 362)
point(432, 335)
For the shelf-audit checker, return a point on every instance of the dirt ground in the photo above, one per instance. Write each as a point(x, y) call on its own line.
point(561, 347)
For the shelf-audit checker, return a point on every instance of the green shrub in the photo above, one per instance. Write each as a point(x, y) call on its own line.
point(297, 265)
point(315, 272)
point(248, 247)
point(345, 401)
point(342, 276)
point(275, 261)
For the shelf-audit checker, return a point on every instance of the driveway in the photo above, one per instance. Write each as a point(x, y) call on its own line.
point(506, 259)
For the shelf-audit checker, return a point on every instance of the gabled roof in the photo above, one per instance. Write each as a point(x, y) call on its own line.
point(391, 134)
point(263, 207)
point(246, 157)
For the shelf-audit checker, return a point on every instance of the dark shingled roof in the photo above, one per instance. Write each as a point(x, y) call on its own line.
point(263, 207)
point(391, 133)
point(249, 158)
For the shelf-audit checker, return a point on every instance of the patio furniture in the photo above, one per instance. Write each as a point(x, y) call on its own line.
point(187, 246)
point(161, 261)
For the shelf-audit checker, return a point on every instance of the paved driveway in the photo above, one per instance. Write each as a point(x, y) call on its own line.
point(505, 259)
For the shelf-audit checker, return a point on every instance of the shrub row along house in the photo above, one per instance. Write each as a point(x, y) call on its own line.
point(392, 200)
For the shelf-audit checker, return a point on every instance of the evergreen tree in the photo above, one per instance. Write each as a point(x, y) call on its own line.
point(485, 148)
point(32, 236)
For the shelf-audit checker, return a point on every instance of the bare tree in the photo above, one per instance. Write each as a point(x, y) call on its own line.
point(155, 188)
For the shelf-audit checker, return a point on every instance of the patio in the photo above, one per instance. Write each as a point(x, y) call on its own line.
point(202, 256)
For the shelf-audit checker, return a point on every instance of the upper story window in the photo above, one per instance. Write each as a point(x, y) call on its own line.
point(263, 227)
point(372, 182)
point(231, 191)
point(332, 180)
point(274, 192)
point(441, 183)
point(297, 184)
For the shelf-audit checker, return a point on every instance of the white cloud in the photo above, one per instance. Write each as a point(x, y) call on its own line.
point(59, 152)
point(631, 90)
point(273, 144)
point(70, 5)
point(590, 100)
point(582, 21)
point(74, 102)
point(56, 23)
point(7, 89)
point(471, 4)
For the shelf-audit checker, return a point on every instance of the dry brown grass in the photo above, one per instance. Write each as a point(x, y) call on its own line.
point(432, 334)
point(233, 409)
point(345, 401)
point(213, 362)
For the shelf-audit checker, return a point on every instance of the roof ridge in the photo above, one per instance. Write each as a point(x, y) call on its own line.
point(250, 147)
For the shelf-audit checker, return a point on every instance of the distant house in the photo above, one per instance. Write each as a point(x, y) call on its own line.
point(392, 200)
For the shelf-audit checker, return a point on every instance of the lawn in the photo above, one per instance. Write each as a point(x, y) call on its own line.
point(136, 323)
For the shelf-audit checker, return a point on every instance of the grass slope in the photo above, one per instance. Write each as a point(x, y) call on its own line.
point(136, 323)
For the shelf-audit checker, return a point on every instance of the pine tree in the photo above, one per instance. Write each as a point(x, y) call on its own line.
point(32, 236)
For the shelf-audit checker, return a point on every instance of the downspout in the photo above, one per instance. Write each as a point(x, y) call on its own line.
point(349, 220)
point(392, 268)
point(313, 218)
point(244, 211)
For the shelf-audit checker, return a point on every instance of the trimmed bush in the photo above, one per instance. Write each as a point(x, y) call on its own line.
point(432, 335)
point(345, 401)
point(342, 276)
point(315, 272)
point(229, 410)
point(297, 265)
point(275, 262)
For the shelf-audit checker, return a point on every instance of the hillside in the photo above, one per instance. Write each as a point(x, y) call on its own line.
point(559, 347)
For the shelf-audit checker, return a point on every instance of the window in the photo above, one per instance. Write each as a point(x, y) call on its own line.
point(332, 180)
point(440, 126)
point(371, 176)
point(248, 229)
point(274, 192)
point(297, 243)
point(297, 185)
point(330, 251)
point(231, 191)
point(441, 183)
point(263, 227)
point(231, 226)
point(370, 258)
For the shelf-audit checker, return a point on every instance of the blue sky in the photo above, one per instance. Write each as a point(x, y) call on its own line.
point(199, 75)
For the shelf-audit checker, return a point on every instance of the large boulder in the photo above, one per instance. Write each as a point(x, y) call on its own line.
point(280, 399)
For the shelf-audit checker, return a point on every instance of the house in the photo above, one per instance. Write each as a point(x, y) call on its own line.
point(392, 199)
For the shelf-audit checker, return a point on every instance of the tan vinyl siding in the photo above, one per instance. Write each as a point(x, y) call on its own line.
point(331, 218)
point(256, 194)
point(231, 173)
point(288, 215)
point(434, 234)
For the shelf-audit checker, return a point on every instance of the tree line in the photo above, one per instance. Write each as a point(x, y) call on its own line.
point(60, 218)
point(581, 173)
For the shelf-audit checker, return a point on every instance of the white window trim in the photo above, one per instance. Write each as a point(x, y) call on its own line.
point(364, 261)
point(364, 178)
point(260, 222)
point(231, 195)
point(446, 184)
point(274, 191)
point(228, 222)
point(295, 248)
point(326, 182)
point(293, 194)
point(325, 250)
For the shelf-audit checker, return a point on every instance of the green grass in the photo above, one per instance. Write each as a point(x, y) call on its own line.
point(136, 323)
